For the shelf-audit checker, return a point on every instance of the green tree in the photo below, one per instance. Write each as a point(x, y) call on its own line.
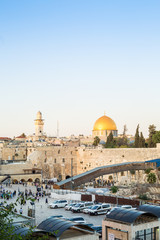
point(152, 131)
point(7, 229)
point(110, 143)
point(143, 197)
point(110, 177)
point(132, 171)
point(114, 189)
point(151, 178)
point(136, 142)
point(148, 170)
point(156, 137)
point(141, 141)
point(96, 141)
point(124, 130)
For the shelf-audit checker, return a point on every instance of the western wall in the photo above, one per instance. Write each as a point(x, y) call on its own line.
point(56, 162)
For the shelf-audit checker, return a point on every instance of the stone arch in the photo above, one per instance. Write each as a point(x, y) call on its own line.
point(37, 180)
point(22, 180)
point(30, 180)
point(68, 176)
point(15, 181)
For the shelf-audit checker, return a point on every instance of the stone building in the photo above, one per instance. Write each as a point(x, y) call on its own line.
point(39, 122)
point(124, 224)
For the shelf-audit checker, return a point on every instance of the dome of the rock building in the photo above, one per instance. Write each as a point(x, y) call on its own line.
point(103, 127)
point(104, 123)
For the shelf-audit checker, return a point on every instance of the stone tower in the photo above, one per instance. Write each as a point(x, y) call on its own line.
point(39, 122)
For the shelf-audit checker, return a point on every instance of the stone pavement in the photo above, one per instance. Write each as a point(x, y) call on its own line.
point(42, 211)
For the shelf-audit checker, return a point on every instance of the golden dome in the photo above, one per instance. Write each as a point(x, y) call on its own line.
point(104, 123)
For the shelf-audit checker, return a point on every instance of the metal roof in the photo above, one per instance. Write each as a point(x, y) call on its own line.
point(157, 161)
point(94, 170)
point(125, 215)
point(57, 226)
point(150, 209)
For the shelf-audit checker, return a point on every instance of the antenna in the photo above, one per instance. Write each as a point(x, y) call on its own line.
point(57, 129)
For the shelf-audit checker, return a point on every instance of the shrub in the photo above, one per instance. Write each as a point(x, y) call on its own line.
point(110, 177)
point(151, 178)
point(132, 172)
point(143, 197)
point(148, 170)
point(114, 189)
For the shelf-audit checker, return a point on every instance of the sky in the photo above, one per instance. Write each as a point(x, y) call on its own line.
point(73, 60)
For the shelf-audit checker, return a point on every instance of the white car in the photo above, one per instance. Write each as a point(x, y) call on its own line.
point(69, 206)
point(128, 207)
point(86, 210)
point(80, 206)
point(78, 219)
point(99, 209)
point(111, 210)
point(58, 204)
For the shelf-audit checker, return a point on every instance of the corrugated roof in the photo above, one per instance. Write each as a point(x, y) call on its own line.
point(157, 161)
point(57, 226)
point(151, 209)
point(125, 215)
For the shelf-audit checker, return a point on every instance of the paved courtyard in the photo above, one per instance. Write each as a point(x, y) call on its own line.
point(42, 211)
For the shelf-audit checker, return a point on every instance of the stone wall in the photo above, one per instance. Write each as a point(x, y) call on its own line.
point(14, 153)
point(89, 158)
point(56, 161)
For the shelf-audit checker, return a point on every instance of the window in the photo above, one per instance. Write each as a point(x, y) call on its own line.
point(58, 151)
point(147, 234)
point(63, 160)
point(55, 160)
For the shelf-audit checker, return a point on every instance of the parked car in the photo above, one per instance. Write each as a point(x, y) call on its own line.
point(99, 209)
point(80, 206)
point(58, 204)
point(111, 210)
point(78, 219)
point(128, 207)
point(69, 206)
point(56, 216)
point(87, 209)
point(97, 229)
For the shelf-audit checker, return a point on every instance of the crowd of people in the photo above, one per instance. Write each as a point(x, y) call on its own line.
point(23, 195)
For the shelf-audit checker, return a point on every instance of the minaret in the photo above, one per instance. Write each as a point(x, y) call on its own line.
point(39, 122)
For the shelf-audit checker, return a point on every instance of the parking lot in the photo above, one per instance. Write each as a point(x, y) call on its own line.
point(42, 211)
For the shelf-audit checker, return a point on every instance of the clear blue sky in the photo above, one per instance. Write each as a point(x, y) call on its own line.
point(73, 60)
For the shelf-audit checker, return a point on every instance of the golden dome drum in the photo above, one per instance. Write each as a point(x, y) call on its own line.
point(104, 123)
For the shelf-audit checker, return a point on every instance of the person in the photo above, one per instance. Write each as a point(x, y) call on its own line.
point(20, 211)
point(46, 200)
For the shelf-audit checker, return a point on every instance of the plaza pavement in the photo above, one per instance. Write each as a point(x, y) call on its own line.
point(41, 208)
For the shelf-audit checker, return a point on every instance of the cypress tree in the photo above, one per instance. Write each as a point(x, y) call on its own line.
point(152, 131)
point(110, 143)
point(136, 142)
point(141, 141)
